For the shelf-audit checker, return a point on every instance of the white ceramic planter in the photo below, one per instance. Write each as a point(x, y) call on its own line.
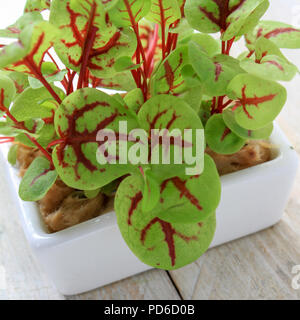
point(93, 253)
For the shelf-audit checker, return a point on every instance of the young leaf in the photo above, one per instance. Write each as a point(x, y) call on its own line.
point(282, 34)
point(156, 242)
point(262, 133)
point(77, 121)
point(215, 73)
point(129, 12)
point(125, 63)
point(50, 73)
point(12, 154)
point(45, 135)
point(37, 180)
point(258, 102)
point(134, 99)
point(31, 104)
point(220, 138)
point(89, 38)
point(167, 79)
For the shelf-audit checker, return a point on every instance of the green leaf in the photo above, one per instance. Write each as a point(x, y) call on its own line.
point(77, 121)
point(134, 99)
point(168, 79)
point(220, 138)
point(210, 16)
point(7, 92)
point(128, 12)
point(239, 16)
point(156, 242)
point(37, 180)
point(106, 44)
point(205, 111)
point(34, 40)
point(259, 101)
point(282, 34)
point(20, 80)
point(210, 45)
point(122, 81)
point(37, 5)
point(151, 192)
point(90, 194)
point(254, 18)
point(190, 77)
point(262, 133)
point(215, 73)
point(190, 199)
point(164, 12)
point(14, 30)
point(12, 154)
point(125, 63)
point(193, 97)
point(44, 136)
point(110, 188)
point(50, 73)
point(34, 103)
point(270, 67)
point(166, 113)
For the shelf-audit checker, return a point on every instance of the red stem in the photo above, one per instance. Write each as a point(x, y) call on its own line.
point(55, 142)
point(250, 54)
point(226, 104)
point(163, 28)
point(70, 83)
point(151, 51)
point(86, 54)
point(64, 80)
point(40, 77)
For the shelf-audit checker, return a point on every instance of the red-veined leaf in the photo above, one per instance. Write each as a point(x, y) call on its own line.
point(154, 241)
point(259, 101)
point(89, 39)
point(77, 121)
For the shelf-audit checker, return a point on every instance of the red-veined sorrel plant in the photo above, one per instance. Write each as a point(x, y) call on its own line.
point(175, 76)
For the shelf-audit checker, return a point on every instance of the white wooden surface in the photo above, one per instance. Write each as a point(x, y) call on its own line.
point(255, 267)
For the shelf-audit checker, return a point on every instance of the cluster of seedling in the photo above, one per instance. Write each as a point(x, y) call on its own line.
point(174, 75)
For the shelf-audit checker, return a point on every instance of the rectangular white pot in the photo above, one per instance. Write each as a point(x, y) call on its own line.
point(93, 253)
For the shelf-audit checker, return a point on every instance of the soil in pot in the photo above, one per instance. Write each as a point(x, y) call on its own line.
point(63, 207)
